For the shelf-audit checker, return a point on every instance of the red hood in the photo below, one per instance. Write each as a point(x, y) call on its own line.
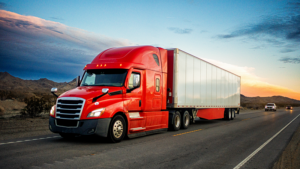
point(88, 92)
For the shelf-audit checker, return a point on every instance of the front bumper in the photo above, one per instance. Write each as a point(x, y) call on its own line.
point(269, 108)
point(86, 127)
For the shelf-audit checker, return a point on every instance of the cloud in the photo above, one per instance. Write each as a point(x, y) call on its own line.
point(285, 28)
point(35, 45)
point(57, 18)
point(295, 60)
point(277, 30)
point(253, 85)
point(180, 31)
point(2, 5)
point(287, 50)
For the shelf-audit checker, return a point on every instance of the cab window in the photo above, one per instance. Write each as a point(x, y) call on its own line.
point(134, 80)
point(155, 57)
point(157, 85)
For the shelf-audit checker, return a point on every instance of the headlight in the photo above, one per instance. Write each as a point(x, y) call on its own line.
point(52, 111)
point(265, 106)
point(273, 107)
point(96, 113)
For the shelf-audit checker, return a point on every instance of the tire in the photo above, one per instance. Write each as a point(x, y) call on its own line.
point(227, 113)
point(117, 129)
point(185, 120)
point(176, 122)
point(68, 136)
point(232, 114)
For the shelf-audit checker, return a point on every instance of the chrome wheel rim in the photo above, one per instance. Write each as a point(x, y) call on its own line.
point(177, 121)
point(118, 129)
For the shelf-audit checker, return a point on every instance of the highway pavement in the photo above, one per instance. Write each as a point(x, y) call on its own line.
point(254, 139)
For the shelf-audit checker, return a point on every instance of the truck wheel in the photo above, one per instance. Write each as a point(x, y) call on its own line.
point(176, 122)
point(117, 129)
point(68, 136)
point(185, 120)
point(227, 114)
point(232, 114)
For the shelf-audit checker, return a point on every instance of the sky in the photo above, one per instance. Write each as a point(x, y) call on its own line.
point(256, 39)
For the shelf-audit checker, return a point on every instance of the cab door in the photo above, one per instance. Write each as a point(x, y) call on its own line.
point(134, 91)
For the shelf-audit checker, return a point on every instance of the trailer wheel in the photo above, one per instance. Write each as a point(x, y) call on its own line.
point(227, 114)
point(176, 123)
point(117, 129)
point(185, 120)
point(232, 114)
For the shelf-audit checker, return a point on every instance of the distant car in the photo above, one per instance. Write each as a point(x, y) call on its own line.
point(270, 106)
point(289, 107)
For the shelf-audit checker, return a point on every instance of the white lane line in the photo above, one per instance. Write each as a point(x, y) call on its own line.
point(262, 146)
point(20, 141)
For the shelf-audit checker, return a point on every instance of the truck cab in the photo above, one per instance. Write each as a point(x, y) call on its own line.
point(122, 92)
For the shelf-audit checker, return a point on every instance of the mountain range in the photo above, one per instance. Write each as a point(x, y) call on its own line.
point(11, 83)
point(26, 88)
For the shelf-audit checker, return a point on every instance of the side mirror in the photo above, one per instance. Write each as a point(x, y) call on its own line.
point(53, 91)
point(78, 81)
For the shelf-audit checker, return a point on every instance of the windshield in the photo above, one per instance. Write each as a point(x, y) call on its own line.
point(104, 77)
point(270, 104)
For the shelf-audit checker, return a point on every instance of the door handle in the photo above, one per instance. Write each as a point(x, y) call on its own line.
point(140, 103)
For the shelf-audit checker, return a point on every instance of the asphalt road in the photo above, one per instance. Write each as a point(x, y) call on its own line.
point(206, 144)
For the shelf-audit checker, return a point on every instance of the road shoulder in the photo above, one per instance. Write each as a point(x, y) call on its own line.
point(290, 157)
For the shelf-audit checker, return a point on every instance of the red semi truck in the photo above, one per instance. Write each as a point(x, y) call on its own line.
point(139, 90)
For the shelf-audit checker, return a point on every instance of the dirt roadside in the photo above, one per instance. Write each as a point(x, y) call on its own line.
point(14, 128)
point(290, 157)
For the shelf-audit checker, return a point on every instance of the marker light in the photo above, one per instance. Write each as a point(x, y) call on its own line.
point(97, 65)
point(52, 111)
point(101, 65)
point(121, 64)
point(96, 113)
point(104, 65)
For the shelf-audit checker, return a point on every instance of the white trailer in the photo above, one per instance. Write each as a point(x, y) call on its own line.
point(198, 84)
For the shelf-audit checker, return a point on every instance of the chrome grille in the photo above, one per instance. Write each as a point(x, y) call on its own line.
point(69, 108)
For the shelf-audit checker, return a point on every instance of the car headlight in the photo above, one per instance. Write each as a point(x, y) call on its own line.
point(96, 113)
point(265, 106)
point(52, 111)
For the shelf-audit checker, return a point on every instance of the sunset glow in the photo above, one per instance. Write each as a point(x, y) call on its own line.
point(57, 40)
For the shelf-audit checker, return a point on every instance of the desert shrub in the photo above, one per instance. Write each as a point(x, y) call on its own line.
point(1, 111)
point(35, 106)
